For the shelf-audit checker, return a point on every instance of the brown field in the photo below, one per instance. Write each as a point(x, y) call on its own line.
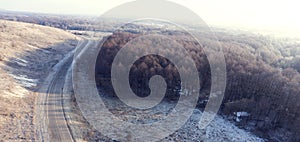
point(23, 45)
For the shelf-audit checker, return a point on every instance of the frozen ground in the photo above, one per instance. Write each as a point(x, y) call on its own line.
point(218, 130)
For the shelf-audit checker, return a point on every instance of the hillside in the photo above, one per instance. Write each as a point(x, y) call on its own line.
point(262, 92)
point(28, 52)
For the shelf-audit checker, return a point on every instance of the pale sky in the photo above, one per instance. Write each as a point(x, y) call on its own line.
point(269, 14)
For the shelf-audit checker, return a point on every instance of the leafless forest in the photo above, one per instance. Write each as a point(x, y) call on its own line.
point(262, 76)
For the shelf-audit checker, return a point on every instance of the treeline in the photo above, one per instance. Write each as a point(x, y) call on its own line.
point(277, 52)
point(262, 79)
point(65, 22)
point(270, 95)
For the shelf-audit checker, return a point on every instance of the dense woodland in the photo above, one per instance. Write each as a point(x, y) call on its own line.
point(262, 77)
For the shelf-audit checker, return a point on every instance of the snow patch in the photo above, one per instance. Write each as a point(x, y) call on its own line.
point(25, 81)
point(184, 92)
point(240, 114)
point(219, 130)
point(223, 130)
point(24, 61)
point(20, 62)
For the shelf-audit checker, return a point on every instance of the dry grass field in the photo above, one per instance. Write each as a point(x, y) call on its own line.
point(27, 53)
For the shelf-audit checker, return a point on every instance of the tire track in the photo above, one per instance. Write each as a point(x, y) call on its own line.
point(51, 122)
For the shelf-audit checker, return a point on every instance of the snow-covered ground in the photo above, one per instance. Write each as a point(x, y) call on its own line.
point(223, 130)
point(25, 81)
point(219, 130)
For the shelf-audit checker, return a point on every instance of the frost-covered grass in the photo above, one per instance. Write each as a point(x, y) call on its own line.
point(218, 130)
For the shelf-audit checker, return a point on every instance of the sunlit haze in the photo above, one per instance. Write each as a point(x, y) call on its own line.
point(281, 15)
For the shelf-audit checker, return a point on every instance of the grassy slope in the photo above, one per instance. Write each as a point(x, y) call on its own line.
point(17, 103)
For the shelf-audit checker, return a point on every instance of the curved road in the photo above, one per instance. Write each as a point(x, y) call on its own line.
point(50, 114)
point(57, 126)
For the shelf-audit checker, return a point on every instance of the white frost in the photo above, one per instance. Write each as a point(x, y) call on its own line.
point(25, 81)
point(240, 114)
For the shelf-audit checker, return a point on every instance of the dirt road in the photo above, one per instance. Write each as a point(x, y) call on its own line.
point(51, 123)
point(57, 125)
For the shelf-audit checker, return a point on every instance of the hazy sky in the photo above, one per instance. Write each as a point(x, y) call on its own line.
point(269, 14)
